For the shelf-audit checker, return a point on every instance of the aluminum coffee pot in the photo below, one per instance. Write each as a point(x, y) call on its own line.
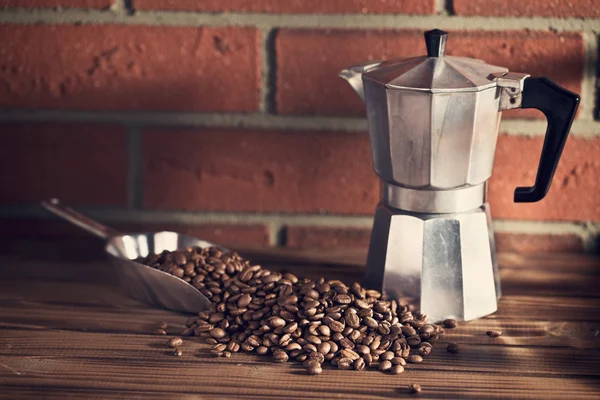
point(433, 126)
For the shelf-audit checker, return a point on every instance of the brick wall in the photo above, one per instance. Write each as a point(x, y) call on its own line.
point(225, 119)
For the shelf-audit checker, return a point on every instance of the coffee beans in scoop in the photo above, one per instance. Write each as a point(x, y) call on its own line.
point(315, 322)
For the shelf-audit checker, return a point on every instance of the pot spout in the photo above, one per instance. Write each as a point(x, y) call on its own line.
point(353, 75)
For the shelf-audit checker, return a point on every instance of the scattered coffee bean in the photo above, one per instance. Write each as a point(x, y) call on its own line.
point(280, 356)
point(177, 352)
point(359, 364)
point(397, 369)
point(159, 332)
point(493, 334)
point(175, 342)
point(452, 348)
point(161, 325)
point(314, 369)
point(313, 321)
point(345, 363)
point(398, 361)
point(414, 388)
point(385, 365)
point(414, 359)
point(450, 323)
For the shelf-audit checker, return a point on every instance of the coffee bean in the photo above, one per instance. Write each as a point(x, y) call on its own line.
point(336, 326)
point(324, 348)
point(280, 356)
point(217, 333)
point(398, 361)
point(276, 322)
point(291, 327)
point(257, 310)
point(316, 356)
point(385, 365)
point(345, 363)
point(347, 353)
point(370, 322)
point(244, 300)
point(247, 347)
point(233, 346)
point(220, 347)
point(493, 334)
point(452, 348)
point(342, 299)
point(359, 364)
point(161, 325)
point(397, 369)
point(178, 352)
point(352, 320)
point(424, 349)
point(253, 341)
point(414, 388)
point(262, 350)
point(450, 323)
point(159, 332)
point(175, 342)
point(414, 359)
point(314, 369)
point(413, 341)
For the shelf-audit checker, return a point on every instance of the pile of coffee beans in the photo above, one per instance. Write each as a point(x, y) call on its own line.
point(311, 321)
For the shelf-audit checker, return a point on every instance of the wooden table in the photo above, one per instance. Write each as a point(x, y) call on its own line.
point(67, 332)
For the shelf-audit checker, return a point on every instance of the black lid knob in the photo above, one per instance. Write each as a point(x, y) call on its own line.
point(435, 40)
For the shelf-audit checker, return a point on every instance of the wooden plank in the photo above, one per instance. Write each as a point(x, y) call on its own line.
point(142, 320)
point(70, 333)
point(134, 362)
point(144, 349)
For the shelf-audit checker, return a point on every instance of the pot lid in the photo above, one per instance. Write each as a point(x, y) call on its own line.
point(435, 72)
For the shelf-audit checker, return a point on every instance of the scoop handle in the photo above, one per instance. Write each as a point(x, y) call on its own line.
point(86, 223)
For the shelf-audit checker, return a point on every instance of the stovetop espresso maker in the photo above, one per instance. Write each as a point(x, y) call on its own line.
point(433, 126)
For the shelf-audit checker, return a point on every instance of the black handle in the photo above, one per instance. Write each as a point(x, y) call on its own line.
point(435, 41)
point(559, 106)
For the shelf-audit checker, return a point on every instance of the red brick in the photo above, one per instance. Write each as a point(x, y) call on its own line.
point(81, 164)
point(519, 8)
point(129, 68)
point(310, 60)
point(270, 171)
point(575, 191)
point(293, 6)
point(98, 4)
point(306, 237)
point(535, 243)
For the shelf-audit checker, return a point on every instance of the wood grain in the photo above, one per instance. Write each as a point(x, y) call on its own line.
point(66, 331)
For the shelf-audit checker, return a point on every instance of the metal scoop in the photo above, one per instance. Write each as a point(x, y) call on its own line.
point(140, 281)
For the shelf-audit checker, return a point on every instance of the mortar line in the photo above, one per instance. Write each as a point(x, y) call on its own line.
point(264, 20)
point(266, 105)
point(591, 238)
point(440, 7)
point(274, 232)
point(134, 176)
point(588, 81)
point(278, 220)
point(285, 123)
point(119, 7)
